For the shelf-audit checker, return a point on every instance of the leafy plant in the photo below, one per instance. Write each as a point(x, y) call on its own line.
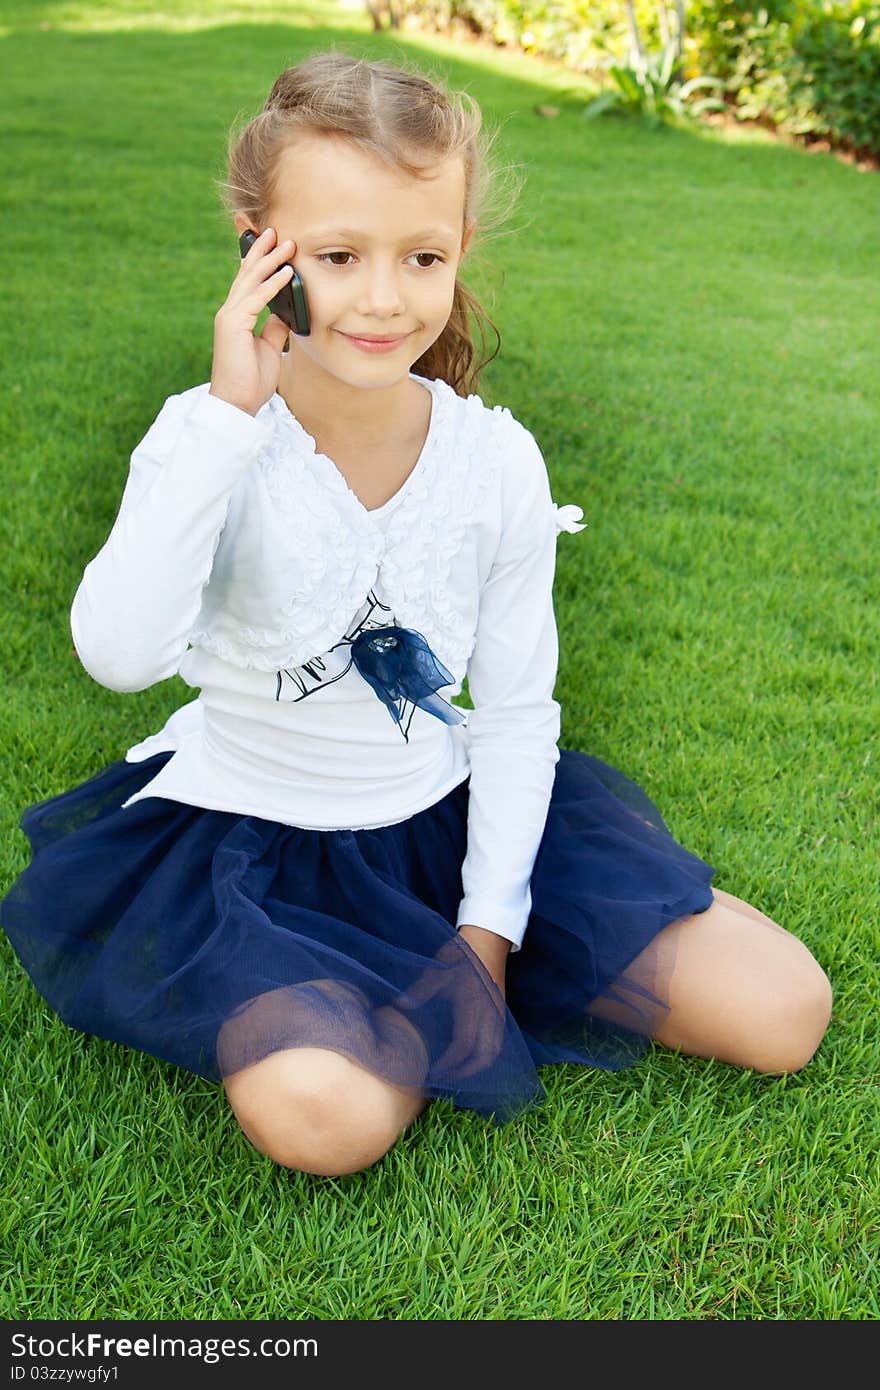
point(653, 88)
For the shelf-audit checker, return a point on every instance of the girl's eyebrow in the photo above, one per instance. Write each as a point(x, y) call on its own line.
point(342, 233)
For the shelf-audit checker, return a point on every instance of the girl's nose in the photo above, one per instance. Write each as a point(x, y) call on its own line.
point(382, 293)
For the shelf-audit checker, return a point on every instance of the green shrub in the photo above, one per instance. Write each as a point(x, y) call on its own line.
point(808, 67)
point(839, 48)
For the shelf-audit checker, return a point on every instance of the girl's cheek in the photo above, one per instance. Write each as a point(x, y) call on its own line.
point(323, 304)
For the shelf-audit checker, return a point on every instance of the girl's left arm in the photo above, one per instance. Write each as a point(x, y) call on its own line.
point(491, 948)
point(513, 730)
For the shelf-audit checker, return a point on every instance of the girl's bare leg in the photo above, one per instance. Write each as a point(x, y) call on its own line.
point(312, 1107)
point(743, 989)
point(315, 1110)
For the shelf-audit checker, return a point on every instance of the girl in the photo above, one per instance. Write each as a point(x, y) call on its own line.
point(321, 882)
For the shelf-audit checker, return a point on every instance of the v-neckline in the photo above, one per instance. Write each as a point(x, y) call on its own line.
point(334, 472)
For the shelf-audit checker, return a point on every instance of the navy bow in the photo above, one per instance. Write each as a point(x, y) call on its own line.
point(398, 663)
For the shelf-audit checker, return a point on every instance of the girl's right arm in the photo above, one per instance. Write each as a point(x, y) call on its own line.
point(139, 597)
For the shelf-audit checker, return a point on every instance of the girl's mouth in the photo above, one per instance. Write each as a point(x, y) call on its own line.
point(368, 345)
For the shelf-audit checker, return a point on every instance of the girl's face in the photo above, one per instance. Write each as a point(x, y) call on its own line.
point(377, 250)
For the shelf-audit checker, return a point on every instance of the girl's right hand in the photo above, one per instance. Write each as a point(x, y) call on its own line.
point(246, 367)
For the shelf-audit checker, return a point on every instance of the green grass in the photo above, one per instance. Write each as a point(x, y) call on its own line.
point(689, 330)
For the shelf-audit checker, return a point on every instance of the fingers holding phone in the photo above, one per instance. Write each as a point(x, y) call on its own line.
point(246, 367)
point(290, 302)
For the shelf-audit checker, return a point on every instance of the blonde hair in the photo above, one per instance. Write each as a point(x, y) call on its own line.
point(410, 122)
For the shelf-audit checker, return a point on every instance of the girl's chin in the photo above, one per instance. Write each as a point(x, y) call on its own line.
point(338, 354)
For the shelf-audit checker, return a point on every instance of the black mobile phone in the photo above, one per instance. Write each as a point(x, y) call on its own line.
point(290, 301)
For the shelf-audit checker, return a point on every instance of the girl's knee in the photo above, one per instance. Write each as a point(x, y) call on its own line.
point(744, 994)
point(796, 1018)
point(316, 1111)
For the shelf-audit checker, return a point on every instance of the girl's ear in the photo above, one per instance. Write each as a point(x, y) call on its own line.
point(470, 227)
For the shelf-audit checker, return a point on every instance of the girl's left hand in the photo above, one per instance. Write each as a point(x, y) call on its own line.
point(491, 948)
point(478, 1031)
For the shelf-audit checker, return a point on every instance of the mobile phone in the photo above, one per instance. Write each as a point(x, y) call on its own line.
point(290, 302)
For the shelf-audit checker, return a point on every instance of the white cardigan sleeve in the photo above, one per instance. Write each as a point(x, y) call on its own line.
point(513, 730)
point(139, 597)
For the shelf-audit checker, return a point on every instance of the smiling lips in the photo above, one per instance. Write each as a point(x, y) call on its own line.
point(376, 344)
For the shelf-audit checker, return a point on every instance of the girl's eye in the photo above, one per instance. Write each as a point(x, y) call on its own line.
point(326, 255)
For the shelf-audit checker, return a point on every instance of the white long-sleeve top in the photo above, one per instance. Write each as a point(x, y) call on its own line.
point(241, 560)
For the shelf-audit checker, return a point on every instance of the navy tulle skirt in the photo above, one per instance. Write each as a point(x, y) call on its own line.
point(210, 939)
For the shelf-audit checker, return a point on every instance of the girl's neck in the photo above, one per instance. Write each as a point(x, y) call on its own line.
point(334, 413)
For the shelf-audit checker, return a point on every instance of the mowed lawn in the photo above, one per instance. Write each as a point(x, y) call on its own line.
point(689, 327)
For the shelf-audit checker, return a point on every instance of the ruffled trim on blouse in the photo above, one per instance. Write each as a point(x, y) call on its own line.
point(341, 552)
